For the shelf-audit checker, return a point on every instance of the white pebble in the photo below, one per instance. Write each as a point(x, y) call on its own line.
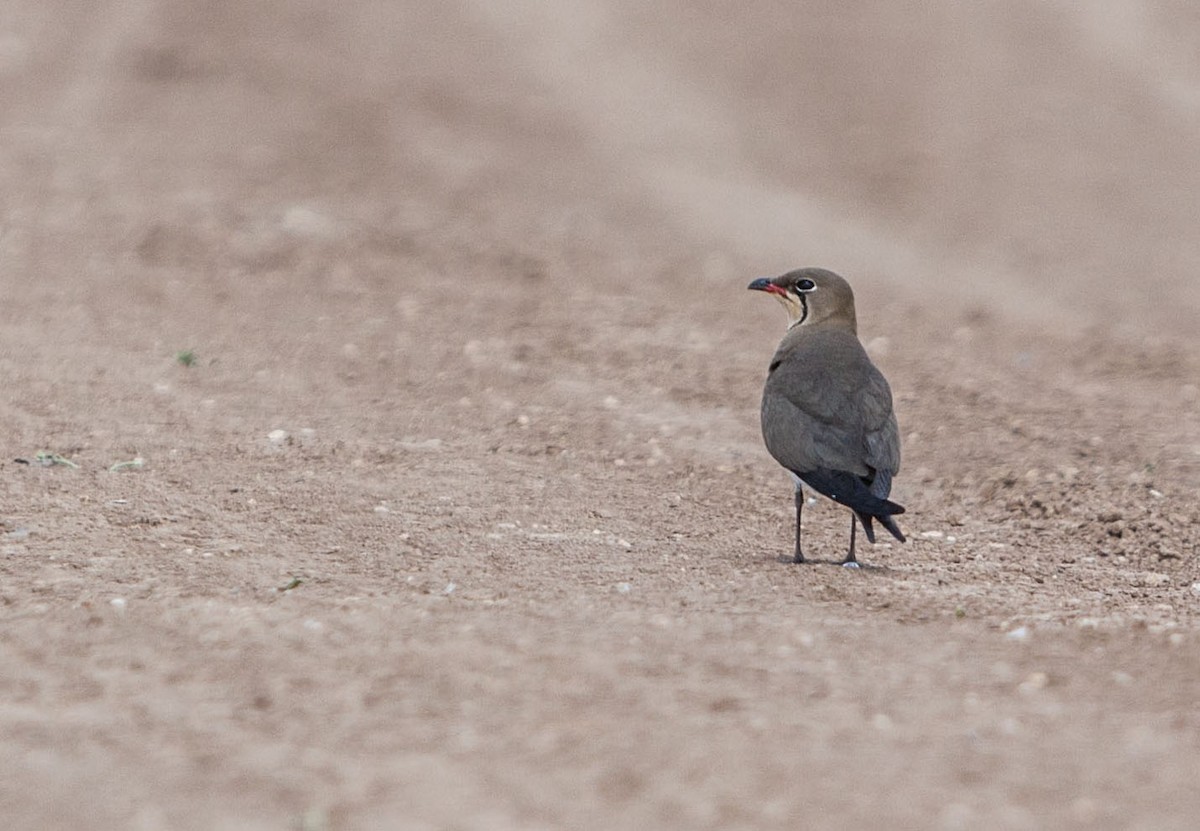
point(1021, 633)
point(450, 587)
point(1036, 681)
point(623, 588)
point(1196, 589)
point(313, 625)
point(277, 436)
point(879, 347)
point(932, 535)
point(421, 445)
point(1152, 579)
point(118, 603)
point(306, 221)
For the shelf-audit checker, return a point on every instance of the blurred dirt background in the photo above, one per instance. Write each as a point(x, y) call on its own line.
point(460, 517)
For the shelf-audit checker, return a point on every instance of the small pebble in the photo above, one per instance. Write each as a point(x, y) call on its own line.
point(1151, 579)
point(879, 347)
point(1036, 681)
point(306, 221)
point(277, 436)
point(1021, 633)
point(118, 603)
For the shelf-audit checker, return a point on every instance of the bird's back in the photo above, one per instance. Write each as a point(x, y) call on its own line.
point(825, 405)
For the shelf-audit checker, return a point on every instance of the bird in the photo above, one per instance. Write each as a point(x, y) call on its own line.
point(827, 413)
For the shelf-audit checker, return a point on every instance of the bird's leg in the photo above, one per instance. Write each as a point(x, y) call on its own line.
point(850, 561)
point(799, 505)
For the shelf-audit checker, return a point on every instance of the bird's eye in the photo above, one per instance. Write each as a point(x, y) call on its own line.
point(805, 285)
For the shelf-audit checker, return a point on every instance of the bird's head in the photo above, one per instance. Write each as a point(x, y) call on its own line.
point(812, 296)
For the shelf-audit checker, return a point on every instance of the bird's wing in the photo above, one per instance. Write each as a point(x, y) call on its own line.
point(826, 406)
point(883, 455)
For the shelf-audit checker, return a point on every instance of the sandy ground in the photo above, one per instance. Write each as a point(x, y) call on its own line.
point(460, 518)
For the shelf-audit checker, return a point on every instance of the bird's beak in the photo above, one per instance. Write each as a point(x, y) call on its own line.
point(764, 284)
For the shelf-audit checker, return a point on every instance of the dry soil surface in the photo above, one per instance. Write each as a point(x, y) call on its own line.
point(459, 516)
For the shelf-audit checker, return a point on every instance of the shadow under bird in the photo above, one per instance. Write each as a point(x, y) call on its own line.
point(826, 410)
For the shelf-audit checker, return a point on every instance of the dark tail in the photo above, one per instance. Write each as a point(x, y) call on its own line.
point(885, 520)
point(851, 491)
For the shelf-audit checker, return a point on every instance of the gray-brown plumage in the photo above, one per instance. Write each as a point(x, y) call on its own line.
point(826, 410)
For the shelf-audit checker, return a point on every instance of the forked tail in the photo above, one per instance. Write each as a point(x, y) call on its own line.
point(851, 491)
